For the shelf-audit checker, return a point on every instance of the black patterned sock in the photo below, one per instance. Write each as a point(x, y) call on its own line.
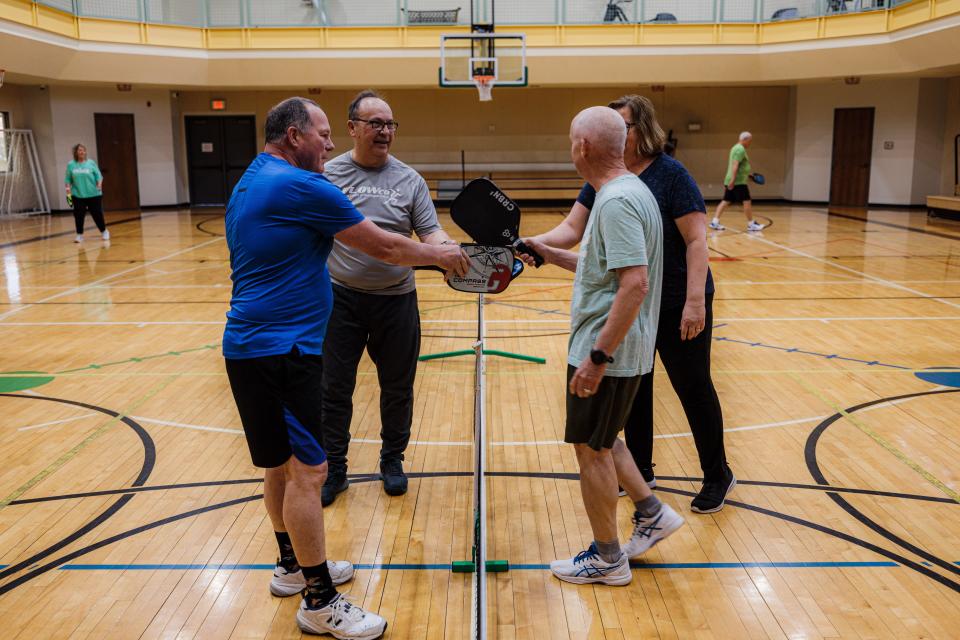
point(320, 590)
point(288, 559)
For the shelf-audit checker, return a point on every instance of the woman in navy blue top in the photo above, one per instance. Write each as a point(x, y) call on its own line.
point(686, 310)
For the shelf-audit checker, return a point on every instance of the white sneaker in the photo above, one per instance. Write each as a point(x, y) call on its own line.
point(286, 583)
point(342, 619)
point(715, 224)
point(588, 567)
point(649, 531)
point(754, 226)
point(79, 238)
point(106, 234)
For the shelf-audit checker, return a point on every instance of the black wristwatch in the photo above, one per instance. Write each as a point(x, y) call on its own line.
point(599, 356)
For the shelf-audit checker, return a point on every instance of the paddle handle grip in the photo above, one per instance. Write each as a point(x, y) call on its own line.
point(522, 248)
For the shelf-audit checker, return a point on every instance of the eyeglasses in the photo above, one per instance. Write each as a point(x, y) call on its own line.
point(631, 124)
point(380, 125)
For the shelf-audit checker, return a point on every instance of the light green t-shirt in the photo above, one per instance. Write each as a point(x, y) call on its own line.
point(623, 230)
point(83, 178)
point(738, 153)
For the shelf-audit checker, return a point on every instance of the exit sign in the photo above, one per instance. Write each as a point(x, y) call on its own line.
point(218, 105)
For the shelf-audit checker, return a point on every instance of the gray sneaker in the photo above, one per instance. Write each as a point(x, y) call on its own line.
point(588, 567)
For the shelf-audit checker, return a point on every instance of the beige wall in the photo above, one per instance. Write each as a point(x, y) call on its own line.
point(72, 111)
point(526, 129)
point(951, 129)
point(895, 120)
point(928, 148)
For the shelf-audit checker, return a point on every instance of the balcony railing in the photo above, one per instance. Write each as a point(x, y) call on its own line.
point(394, 13)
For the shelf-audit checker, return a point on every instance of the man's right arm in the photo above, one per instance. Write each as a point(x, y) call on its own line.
point(396, 249)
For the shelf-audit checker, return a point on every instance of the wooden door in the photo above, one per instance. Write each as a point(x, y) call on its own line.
point(219, 149)
point(852, 150)
point(117, 158)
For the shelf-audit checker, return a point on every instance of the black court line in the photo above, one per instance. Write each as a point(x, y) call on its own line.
point(199, 226)
point(813, 466)
point(893, 225)
point(71, 232)
point(369, 477)
point(733, 503)
point(149, 460)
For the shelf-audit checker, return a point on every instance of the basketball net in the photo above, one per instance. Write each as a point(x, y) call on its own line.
point(484, 87)
point(3, 72)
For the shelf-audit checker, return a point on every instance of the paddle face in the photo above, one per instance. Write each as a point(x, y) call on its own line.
point(489, 216)
point(486, 214)
point(758, 178)
point(491, 270)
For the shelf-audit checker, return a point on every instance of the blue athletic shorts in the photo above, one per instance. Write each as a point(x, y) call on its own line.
point(278, 398)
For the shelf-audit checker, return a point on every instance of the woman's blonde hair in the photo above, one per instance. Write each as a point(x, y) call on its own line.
point(644, 117)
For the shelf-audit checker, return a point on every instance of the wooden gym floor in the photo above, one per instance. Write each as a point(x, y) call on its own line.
point(129, 508)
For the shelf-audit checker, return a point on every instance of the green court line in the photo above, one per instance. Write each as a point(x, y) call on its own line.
point(69, 455)
point(880, 440)
point(205, 347)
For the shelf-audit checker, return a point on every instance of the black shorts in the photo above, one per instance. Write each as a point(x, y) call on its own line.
point(278, 398)
point(596, 421)
point(739, 193)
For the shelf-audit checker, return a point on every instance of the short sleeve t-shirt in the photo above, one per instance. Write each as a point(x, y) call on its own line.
point(624, 230)
point(394, 197)
point(280, 225)
point(83, 178)
point(677, 195)
point(738, 153)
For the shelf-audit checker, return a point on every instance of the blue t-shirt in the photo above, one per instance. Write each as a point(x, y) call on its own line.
point(677, 195)
point(280, 226)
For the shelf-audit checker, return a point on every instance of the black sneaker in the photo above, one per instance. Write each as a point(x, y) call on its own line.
point(336, 483)
point(648, 476)
point(713, 494)
point(394, 480)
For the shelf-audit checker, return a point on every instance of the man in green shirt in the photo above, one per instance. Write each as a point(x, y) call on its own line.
point(613, 328)
point(735, 184)
point(84, 184)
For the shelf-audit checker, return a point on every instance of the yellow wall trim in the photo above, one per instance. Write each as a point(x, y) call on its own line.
point(832, 26)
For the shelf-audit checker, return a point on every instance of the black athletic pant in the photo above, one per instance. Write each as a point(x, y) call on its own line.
point(95, 206)
point(389, 328)
point(688, 366)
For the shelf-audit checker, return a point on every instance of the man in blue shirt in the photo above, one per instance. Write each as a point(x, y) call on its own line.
point(281, 221)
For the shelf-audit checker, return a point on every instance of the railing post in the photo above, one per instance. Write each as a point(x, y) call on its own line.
point(206, 14)
point(757, 10)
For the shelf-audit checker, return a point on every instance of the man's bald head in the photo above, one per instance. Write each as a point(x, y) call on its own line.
point(603, 130)
point(597, 137)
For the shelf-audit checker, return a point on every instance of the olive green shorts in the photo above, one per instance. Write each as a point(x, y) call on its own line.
point(596, 421)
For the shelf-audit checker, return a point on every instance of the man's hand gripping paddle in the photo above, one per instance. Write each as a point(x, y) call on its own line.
point(491, 270)
point(490, 217)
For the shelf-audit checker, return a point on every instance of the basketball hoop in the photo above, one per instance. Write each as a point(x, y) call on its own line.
point(484, 87)
point(2, 73)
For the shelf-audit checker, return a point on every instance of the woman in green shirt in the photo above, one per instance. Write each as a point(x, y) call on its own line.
point(85, 191)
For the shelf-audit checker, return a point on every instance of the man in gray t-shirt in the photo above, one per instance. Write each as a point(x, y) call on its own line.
point(374, 303)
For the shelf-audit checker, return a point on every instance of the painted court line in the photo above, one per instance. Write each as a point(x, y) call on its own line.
point(84, 287)
point(876, 279)
point(53, 422)
point(517, 567)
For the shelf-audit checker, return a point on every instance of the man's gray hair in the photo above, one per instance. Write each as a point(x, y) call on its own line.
point(745, 135)
point(292, 112)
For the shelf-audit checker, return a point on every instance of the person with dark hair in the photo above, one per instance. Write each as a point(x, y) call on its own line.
point(374, 303)
point(84, 184)
point(281, 222)
point(685, 329)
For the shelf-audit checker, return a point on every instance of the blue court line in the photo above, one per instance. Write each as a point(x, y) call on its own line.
point(828, 356)
point(448, 567)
